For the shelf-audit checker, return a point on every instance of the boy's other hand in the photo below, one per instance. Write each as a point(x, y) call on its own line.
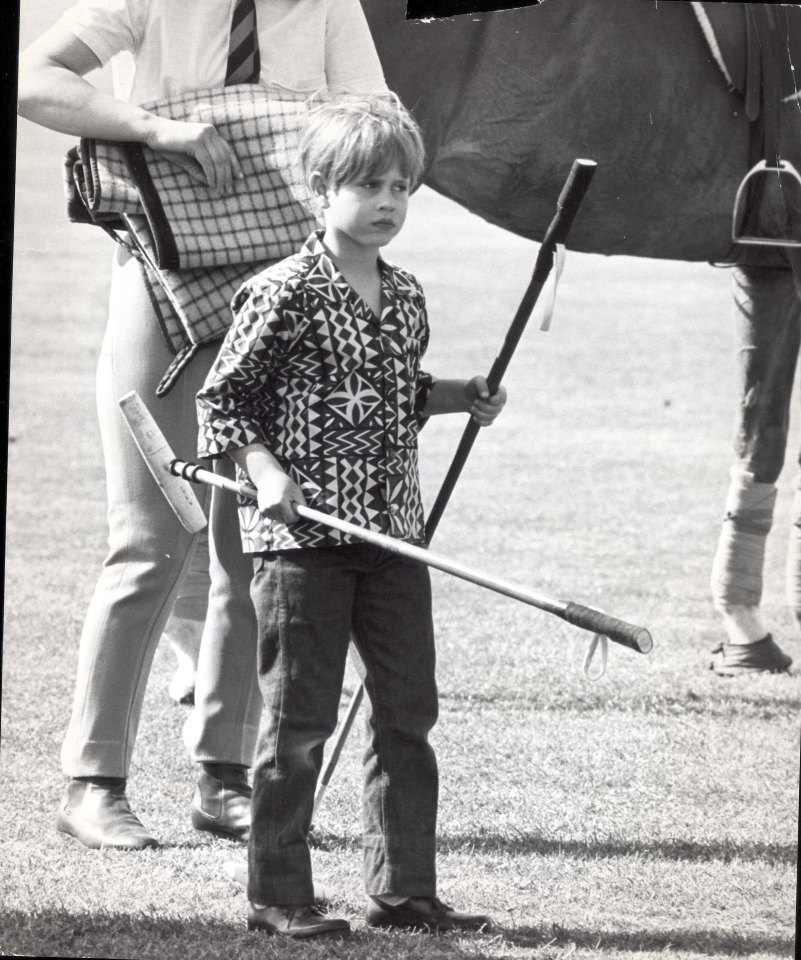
point(482, 407)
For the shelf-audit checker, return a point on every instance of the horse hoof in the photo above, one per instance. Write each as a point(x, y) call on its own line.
point(764, 656)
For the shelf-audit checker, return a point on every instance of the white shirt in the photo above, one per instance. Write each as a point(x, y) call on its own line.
point(161, 48)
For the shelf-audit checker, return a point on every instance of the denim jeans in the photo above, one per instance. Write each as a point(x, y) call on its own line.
point(307, 603)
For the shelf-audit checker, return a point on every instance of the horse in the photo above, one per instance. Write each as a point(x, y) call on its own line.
point(507, 99)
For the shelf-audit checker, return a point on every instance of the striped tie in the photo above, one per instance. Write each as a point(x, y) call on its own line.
point(244, 62)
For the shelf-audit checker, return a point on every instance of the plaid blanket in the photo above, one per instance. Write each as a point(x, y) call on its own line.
point(197, 248)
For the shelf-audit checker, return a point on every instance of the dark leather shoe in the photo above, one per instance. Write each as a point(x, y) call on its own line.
point(99, 816)
point(298, 922)
point(221, 803)
point(422, 913)
point(764, 656)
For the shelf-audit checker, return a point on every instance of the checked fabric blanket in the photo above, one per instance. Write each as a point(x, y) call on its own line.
point(197, 248)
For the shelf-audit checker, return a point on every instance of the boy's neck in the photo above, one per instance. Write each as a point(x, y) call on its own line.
point(351, 257)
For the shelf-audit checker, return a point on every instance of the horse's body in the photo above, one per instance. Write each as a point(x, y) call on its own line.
point(507, 100)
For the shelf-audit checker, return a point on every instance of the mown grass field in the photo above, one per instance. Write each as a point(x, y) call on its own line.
point(653, 813)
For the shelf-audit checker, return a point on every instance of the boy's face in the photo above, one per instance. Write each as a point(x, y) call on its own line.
point(369, 211)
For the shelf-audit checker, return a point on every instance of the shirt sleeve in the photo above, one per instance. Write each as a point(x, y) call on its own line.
point(235, 405)
point(425, 381)
point(351, 60)
point(107, 27)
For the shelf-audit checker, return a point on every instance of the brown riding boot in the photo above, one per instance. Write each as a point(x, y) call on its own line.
point(221, 803)
point(95, 810)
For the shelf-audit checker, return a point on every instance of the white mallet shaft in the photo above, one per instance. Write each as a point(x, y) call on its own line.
point(588, 618)
point(166, 469)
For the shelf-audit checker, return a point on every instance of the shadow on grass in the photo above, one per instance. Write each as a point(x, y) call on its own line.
point(526, 844)
point(712, 707)
point(702, 942)
point(60, 932)
point(63, 933)
point(670, 849)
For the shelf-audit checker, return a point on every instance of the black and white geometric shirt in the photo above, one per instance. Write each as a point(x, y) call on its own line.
point(333, 391)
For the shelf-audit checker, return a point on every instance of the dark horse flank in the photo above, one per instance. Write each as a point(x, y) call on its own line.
point(508, 99)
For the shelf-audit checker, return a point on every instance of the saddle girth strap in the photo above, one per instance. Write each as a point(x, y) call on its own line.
point(763, 87)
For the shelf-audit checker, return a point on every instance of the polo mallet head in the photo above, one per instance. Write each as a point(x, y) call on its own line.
point(158, 456)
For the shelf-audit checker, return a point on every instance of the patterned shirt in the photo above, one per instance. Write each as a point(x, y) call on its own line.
point(333, 391)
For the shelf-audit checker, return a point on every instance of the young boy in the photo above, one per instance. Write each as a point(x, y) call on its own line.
point(317, 394)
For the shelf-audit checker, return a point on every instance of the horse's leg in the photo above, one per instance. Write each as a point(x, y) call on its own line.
point(766, 315)
point(793, 568)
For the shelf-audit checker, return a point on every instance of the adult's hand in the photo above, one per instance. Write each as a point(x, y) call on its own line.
point(216, 162)
point(53, 92)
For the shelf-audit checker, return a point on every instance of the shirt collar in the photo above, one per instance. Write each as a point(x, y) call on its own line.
point(328, 282)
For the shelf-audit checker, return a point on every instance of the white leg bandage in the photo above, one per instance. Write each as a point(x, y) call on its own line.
point(737, 568)
point(794, 555)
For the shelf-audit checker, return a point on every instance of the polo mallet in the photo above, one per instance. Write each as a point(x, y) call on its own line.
point(588, 618)
point(567, 204)
point(163, 464)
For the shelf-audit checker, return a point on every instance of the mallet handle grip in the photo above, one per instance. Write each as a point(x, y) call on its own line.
point(637, 638)
point(627, 634)
point(569, 200)
point(581, 173)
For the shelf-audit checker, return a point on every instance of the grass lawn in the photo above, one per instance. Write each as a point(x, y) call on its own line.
point(652, 813)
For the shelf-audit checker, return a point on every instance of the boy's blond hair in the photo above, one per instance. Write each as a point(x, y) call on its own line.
point(356, 136)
